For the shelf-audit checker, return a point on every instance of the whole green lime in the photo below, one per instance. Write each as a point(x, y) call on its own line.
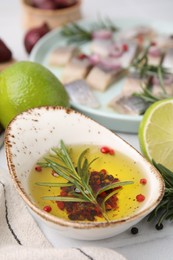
point(26, 85)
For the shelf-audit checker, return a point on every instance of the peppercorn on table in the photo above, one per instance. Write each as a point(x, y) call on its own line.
point(143, 242)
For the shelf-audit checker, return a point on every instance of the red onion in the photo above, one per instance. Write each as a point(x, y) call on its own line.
point(44, 4)
point(94, 59)
point(154, 51)
point(116, 51)
point(65, 3)
point(33, 35)
point(5, 53)
point(102, 34)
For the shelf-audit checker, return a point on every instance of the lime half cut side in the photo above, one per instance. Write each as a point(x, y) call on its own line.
point(156, 133)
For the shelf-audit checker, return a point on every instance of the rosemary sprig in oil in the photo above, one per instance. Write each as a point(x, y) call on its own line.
point(78, 177)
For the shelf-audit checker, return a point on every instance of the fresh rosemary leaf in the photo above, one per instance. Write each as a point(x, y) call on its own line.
point(54, 184)
point(108, 197)
point(164, 211)
point(80, 169)
point(65, 199)
point(113, 185)
point(58, 169)
point(66, 158)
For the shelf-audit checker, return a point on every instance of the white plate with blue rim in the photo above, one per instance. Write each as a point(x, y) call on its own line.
point(104, 114)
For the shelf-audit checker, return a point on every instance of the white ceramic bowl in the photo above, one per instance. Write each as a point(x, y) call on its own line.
point(1, 139)
point(32, 133)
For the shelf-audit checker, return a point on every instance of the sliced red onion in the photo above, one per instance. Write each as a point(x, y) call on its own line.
point(116, 53)
point(94, 59)
point(154, 51)
point(116, 50)
point(102, 34)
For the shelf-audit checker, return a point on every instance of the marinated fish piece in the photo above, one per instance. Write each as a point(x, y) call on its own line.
point(158, 92)
point(130, 105)
point(132, 85)
point(168, 86)
point(80, 93)
point(168, 60)
point(101, 47)
point(62, 55)
point(77, 68)
point(100, 78)
point(164, 42)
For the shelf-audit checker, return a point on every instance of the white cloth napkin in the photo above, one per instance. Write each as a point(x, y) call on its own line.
point(21, 238)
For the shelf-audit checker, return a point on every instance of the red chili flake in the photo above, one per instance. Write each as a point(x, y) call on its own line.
point(98, 182)
point(38, 168)
point(140, 197)
point(60, 205)
point(143, 181)
point(103, 171)
point(111, 152)
point(47, 208)
point(63, 193)
point(103, 194)
point(125, 47)
point(82, 56)
point(104, 149)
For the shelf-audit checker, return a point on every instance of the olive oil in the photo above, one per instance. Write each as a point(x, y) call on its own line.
point(116, 164)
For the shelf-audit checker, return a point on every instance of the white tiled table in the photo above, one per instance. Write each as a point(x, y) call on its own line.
point(12, 32)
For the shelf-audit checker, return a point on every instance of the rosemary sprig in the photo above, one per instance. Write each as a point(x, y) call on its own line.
point(76, 33)
point(148, 72)
point(141, 65)
point(164, 211)
point(78, 177)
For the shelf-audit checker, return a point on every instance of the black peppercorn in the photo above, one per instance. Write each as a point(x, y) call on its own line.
point(134, 230)
point(159, 226)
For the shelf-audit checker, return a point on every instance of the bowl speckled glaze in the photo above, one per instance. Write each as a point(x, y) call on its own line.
point(31, 134)
point(1, 139)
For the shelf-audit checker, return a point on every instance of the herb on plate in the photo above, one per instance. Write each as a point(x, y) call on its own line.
point(76, 33)
point(164, 211)
point(78, 188)
point(149, 73)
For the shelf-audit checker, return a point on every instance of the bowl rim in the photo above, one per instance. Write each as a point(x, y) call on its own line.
point(68, 223)
point(63, 11)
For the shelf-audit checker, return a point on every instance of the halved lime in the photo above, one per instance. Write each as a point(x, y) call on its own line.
point(156, 133)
